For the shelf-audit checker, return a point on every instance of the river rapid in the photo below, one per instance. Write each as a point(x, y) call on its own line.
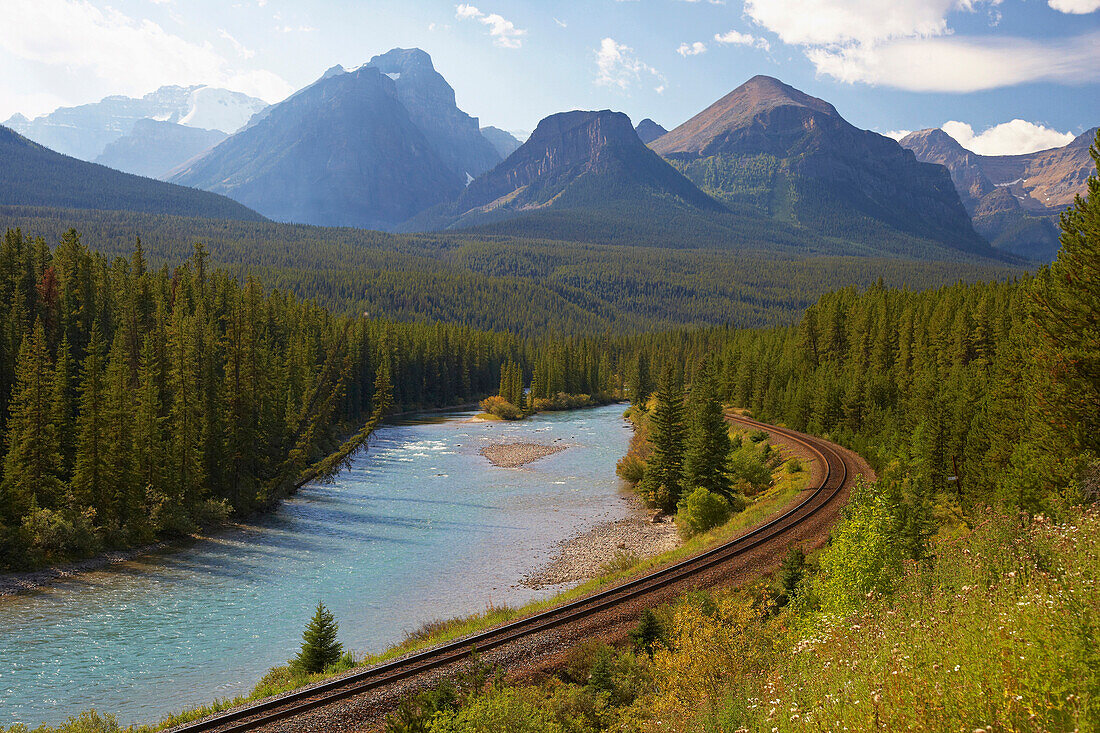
point(420, 527)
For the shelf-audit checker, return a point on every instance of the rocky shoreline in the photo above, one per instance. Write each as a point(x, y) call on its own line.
point(587, 555)
point(514, 455)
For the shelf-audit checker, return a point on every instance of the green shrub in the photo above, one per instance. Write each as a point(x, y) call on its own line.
point(509, 710)
point(701, 510)
point(62, 533)
point(794, 465)
point(758, 436)
point(748, 471)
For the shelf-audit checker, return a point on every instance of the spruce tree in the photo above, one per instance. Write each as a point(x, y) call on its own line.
point(663, 479)
point(149, 449)
point(641, 384)
point(91, 481)
point(707, 447)
point(33, 460)
point(320, 648)
point(63, 416)
point(1067, 301)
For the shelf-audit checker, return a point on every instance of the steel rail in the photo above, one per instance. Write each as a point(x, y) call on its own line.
point(306, 699)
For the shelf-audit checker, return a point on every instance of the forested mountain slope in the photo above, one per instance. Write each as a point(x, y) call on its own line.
point(524, 285)
point(31, 175)
point(769, 150)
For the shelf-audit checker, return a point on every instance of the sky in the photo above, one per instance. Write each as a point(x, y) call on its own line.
point(1002, 76)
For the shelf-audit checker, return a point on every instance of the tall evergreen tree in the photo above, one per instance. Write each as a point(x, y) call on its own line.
point(91, 475)
point(32, 464)
point(663, 479)
point(707, 446)
point(320, 647)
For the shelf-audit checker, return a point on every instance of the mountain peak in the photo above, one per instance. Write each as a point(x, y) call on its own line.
point(762, 107)
point(765, 91)
point(579, 159)
point(648, 130)
point(933, 137)
point(403, 59)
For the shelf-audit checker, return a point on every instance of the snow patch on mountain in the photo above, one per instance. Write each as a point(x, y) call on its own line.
point(220, 109)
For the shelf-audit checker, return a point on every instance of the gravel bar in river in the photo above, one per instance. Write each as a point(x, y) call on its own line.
point(514, 455)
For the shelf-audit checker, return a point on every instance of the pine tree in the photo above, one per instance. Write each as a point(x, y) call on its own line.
point(1067, 301)
point(320, 648)
point(127, 496)
point(663, 479)
point(91, 479)
point(707, 447)
point(33, 459)
point(148, 420)
point(64, 419)
point(641, 384)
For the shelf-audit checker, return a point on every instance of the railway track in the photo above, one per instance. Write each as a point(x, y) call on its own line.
point(835, 476)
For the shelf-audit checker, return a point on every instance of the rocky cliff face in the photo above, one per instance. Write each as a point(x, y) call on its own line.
point(770, 148)
point(1013, 200)
point(154, 149)
point(344, 151)
point(430, 102)
point(580, 158)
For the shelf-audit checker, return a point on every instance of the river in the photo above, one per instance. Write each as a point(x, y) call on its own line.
point(420, 527)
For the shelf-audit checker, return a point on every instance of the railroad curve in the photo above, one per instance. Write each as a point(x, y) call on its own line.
point(360, 699)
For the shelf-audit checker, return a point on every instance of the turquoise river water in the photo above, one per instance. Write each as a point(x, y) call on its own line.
point(420, 527)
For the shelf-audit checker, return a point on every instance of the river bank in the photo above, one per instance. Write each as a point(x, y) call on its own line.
point(606, 545)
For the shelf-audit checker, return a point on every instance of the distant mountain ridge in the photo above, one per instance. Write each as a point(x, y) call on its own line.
point(648, 131)
point(33, 175)
point(504, 141)
point(1013, 200)
point(771, 149)
point(86, 130)
point(154, 149)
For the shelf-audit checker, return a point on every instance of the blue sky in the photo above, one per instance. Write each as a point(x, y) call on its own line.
point(887, 65)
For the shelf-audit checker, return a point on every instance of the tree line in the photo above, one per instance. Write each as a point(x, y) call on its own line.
point(138, 403)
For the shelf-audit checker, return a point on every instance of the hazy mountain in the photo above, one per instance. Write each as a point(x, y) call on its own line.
point(648, 130)
point(154, 149)
point(770, 150)
point(85, 131)
point(504, 142)
point(32, 175)
point(430, 102)
point(1013, 200)
point(343, 151)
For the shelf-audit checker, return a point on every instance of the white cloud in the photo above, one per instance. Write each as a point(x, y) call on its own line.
point(130, 56)
point(693, 49)
point(503, 32)
point(957, 64)
point(896, 134)
point(823, 22)
point(241, 49)
point(909, 44)
point(1007, 138)
point(742, 39)
point(1075, 7)
point(617, 66)
point(561, 23)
